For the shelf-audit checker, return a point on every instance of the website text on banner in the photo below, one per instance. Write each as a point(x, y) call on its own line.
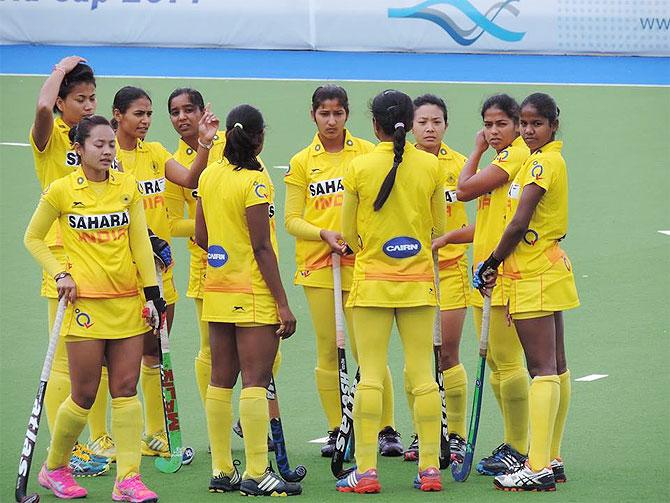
point(518, 26)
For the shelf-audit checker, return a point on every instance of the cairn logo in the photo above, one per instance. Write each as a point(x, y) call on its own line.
point(402, 247)
point(484, 22)
point(82, 319)
point(530, 237)
point(216, 256)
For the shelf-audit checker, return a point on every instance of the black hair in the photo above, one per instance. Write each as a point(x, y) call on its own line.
point(80, 74)
point(194, 97)
point(125, 96)
point(431, 99)
point(505, 103)
point(393, 112)
point(330, 92)
point(82, 130)
point(545, 106)
point(244, 137)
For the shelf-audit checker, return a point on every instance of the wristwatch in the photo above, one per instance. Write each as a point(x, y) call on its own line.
point(61, 275)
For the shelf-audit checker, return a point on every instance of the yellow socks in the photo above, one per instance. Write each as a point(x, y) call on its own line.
point(367, 413)
point(456, 397)
point(97, 418)
point(70, 420)
point(409, 395)
point(203, 375)
point(327, 385)
point(428, 418)
point(219, 410)
point(494, 381)
point(57, 391)
point(562, 414)
point(388, 413)
point(127, 432)
point(514, 386)
point(254, 418)
point(543, 398)
point(150, 380)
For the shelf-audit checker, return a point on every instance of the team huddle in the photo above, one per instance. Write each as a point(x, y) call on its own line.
point(381, 236)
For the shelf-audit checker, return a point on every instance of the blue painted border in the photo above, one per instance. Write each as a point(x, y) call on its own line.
point(316, 65)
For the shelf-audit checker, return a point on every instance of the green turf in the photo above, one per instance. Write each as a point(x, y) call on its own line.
point(617, 442)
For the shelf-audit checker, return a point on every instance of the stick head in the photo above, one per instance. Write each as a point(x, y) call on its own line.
point(169, 465)
point(31, 498)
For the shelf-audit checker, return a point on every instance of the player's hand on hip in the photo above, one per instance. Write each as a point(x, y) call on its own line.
point(155, 307)
point(287, 322)
point(335, 241)
point(162, 252)
point(66, 288)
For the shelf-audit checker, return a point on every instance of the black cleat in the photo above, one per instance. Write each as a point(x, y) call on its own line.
point(389, 443)
point(504, 459)
point(328, 448)
point(457, 447)
point(525, 479)
point(223, 483)
point(270, 484)
point(558, 468)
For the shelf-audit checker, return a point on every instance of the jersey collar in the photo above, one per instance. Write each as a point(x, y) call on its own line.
point(60, 124)
point(445, 152)
point(79, 180)
point(316, 147)
point(552, 146)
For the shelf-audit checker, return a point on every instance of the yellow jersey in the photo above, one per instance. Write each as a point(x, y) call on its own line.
point(319, 174)
point(492, 209)
point(177, 196)
point(146, 162)
point(451, 164)
point(56, 160)
point(394, 266)
point(95, 232)
point(538, 250)
point(226, 193)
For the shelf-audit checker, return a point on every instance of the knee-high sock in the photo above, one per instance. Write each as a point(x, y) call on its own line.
point(456, 397)
point(59, 379)
point(203, 375)
point(97, 418)
point(127, 431)
point(562, 414)
point(254, 418)
point(150, 380)
point(409, 395)
point(388, 413)
point(219, 409)
point(427, 416)
point(367, 415)
point(70, 420)
point(327, 385)
point(494, 381)
point(543, 398)
point(514, 389)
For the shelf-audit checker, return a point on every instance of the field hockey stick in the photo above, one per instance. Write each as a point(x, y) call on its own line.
point(439, 377)
point(178, 454)
point(344, 435)
point(461, 471)
point(278, 438)
point(29, 441)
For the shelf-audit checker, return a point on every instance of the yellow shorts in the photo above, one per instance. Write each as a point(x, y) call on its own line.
point(455, 285)
point(48, 288)
point(240, 308)
point(323, 278)
point(532, 315)
point(116, 318)
point(499, 296)
point(553, 290)
point(196, 276)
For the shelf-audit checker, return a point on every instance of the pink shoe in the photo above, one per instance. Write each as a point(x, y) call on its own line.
point(61, 483)
point(132, 489)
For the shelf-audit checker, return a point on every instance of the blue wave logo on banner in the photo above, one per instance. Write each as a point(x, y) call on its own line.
point(484, 22)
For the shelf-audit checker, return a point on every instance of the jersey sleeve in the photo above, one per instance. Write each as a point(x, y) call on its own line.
point(175, 203)
point(257, 191)
point(541, 172)
point(43, 218)
point(294, 209)
point(349, 179)
point(139, 242)
point(295, 175)
point(510, 159)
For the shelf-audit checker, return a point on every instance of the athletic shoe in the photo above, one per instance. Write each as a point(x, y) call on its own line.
point(328, 448)
point(525, 479)
point(457, 447)
point(389, 442)
point(156, 445)
point(85, 450)
point(103, 446)
point(224, 483)
point(269, 484)
point(428, 480)
point(132, 489)
point(558, 468)
point(359, 483)
point(82, 465)
point(504, 459)
point(237, 428)
point(61, 483)
point(412, 452)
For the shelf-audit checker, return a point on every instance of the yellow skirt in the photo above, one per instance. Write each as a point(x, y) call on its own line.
point(116, 318)
point(455, 286)
point(553, 290)
point(240, 308)
point(382, 293)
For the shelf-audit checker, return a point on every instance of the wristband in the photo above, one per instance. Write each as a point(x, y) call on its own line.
point(152, 292)
point(61, 275)
point(203, 145)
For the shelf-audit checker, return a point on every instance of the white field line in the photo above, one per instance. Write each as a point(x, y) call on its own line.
point(14, 144)
point(667, 233)
point(281, 167)
point(321, 440)
point(592, 377)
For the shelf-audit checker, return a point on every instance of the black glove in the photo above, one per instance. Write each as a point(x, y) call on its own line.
point(484, 269)
point(155, 307)
point(161, 249)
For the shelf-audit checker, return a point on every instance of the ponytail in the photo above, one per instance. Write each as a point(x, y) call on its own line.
point(393, 112)
point(82, 130)
point(244, 137)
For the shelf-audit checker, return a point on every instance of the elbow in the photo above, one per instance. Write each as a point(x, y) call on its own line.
point(192, 183)
point(261, 248)
point(44, 107)
point(464, 195)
